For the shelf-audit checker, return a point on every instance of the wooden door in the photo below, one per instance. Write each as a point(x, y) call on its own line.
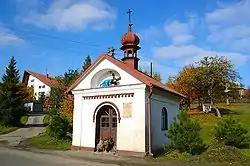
point(108, 124)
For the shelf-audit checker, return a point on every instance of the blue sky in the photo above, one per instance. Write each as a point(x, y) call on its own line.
point(57, 35)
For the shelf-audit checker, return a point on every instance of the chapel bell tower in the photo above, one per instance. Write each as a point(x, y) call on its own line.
point(130, 42)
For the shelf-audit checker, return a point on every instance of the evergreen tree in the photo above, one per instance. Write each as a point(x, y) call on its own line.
point(70, 76)
point(184, 134)
point(12, 96)
point(87, 62)
point(12, 73)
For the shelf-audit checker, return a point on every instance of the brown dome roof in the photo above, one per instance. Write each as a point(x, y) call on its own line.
point(130, 39)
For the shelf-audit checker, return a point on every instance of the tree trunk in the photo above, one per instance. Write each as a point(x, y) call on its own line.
point(227, 100)
point(217, 111)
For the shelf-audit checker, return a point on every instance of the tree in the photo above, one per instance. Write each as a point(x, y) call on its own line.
point(12, 73)
point(70, 76)
point(230, 132)
point(184, 134)
point(31, 97)
point(13, 96)
point(86, 63)
point(58, 89)
point(216, 72)
point(155, 75)
point(67, 107)
point(57, 92)
point(187, 82)
point(58, 127)
point(205, 80)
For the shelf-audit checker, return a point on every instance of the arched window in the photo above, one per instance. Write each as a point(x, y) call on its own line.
point(164, 119)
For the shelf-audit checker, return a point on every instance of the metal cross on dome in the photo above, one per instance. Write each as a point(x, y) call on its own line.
point(129, 17)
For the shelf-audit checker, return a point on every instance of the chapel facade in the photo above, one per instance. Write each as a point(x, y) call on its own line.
point(113, 99)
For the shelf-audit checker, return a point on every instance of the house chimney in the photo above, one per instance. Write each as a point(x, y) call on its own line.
point(47, 75)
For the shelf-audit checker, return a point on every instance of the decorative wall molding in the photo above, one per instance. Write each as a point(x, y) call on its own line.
point(107, 103)
point(118, 95)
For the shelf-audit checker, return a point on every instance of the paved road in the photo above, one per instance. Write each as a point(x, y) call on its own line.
point(33, 127)
point(13, 157)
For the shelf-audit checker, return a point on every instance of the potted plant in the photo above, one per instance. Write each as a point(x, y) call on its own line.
point(108, 144)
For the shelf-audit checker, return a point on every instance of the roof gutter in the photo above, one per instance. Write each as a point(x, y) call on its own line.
point(149, 120)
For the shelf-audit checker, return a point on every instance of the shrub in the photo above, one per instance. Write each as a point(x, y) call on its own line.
point(58, 127)
point(53, 112)
point(175, 155)
point(229, 131)
point(221, 154)
point(184, 134)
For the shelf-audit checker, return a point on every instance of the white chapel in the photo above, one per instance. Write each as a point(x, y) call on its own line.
point(113, 99)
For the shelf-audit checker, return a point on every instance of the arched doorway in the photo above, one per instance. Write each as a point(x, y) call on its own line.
point(106, 123)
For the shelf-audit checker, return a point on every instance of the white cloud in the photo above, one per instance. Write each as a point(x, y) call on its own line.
point(180, 32)
point(8, 37)
point(148, 34)
point(232, 14)
point(186, 54)
point(229, 25)
point(72, 15)
point(181, 39)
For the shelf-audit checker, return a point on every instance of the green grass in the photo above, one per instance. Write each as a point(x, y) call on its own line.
point(47, 142)
point(8, 129)
point(240, 111)
point(46, 120)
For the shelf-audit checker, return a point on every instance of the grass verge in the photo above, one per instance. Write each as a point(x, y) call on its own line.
point(8, 129)
point(46, 142)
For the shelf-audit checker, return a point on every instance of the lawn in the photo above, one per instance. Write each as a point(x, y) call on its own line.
point(240, 111)
point(8, 129)
point(46, 142)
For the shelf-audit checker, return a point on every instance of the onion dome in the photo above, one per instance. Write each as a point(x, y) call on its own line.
point(130, 38)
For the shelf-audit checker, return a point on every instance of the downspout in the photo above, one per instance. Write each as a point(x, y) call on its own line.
point(149, 120)
point(81, 125)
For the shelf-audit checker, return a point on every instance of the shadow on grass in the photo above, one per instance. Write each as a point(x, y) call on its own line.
point(224, 111)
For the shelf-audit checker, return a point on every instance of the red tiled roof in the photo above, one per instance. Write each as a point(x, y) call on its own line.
point(135, 73)
point(46, 80)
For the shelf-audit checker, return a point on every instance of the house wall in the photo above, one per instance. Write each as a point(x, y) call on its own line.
point(38, 86)
point(158, 101)
point(130, 130)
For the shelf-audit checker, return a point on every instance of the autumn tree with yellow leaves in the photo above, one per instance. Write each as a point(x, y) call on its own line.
point(205, 80)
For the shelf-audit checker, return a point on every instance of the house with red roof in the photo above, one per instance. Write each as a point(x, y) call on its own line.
point(41, 83)
point(114, 100)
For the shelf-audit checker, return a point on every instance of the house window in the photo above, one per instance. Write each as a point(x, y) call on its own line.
point(164, 119)
point(32, 80)
point(32, 86)
point(40, 87)
point(43, 86)
point(41, 94)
